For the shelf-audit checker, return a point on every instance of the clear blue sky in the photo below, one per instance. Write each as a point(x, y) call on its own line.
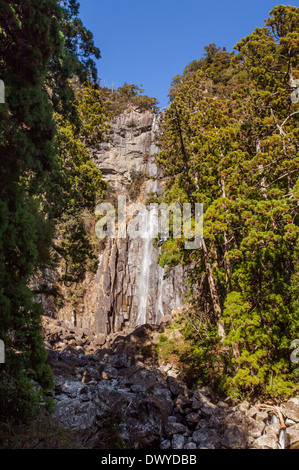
point(149, 41)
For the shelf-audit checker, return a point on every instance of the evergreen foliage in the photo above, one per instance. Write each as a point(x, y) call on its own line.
point(125, 97)
point(46, 176)
point(229, 140)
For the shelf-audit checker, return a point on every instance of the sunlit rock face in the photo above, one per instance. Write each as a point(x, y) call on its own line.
point(130, 288)
point(121, 297)
point(128, 149)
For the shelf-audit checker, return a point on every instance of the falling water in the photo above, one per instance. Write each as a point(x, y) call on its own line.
point(150, 230)
point(282, 439)
point(282, 433)
point(144, 281)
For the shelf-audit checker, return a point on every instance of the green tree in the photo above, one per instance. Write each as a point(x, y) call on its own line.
point(44, 48)
point(230, 141)
point(29, 38)
point(76, 185)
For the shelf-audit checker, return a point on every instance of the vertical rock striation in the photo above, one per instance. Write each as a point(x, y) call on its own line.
point(130, 288)
point(128, 149)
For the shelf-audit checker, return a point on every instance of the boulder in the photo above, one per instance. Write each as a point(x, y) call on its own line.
point(172, 427)
point(261, 416)
point(266, 442)
point(292, 434)
point(206, 437)
point(273, 430)
point(99, 339)
point(192, 418)
point(166, 444)
point(109, 373)
point(75, 415)
point(190, 445)
point(290, 409)
point(119, 361)
point(234, 438)
point(177, 441)
point(175, 386)
point(254, 428)
point(67, 387)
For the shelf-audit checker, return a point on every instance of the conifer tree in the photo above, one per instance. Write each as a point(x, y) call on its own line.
point(44, 48)
point(235, 150)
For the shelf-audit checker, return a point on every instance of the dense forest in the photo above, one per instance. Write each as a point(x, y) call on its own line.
point(54, 114)
point(229, 140)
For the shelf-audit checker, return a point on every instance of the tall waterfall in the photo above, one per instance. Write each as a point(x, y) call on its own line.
point(130, 288)
point(149, 252)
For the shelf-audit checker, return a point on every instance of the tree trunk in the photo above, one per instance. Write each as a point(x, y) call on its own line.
point(213, 291)
point(226, 261)
point(261, 169)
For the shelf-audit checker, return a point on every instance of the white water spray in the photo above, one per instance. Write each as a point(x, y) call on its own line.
point(150, 229)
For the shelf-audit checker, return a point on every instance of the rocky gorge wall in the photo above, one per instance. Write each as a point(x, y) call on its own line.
point(129, 287)
point(127, 150)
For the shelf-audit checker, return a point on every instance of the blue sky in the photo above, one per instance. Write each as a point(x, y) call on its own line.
point(149, 41)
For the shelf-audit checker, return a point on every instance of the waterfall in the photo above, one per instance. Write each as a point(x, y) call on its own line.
point(282, 439)
point(130, 288)
point(149, 252)
point(282, 433)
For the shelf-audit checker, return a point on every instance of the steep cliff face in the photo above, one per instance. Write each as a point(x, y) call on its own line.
point(118, 288)
point(129, 288)
point(128, 149)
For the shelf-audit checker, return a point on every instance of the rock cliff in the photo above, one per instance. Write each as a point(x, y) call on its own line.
point(129, 287)
point(127, 150)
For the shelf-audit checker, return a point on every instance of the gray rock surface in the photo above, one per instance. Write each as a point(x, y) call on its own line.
point(177, 441)
point(155, 407)
point(115, 298)
point(130, 138)
point(291, 409)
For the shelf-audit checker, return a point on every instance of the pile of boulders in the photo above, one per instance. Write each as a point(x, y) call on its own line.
point(59, 335)
point(155, 407)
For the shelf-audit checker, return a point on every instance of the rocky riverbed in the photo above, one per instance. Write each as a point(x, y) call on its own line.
point(98, 377)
